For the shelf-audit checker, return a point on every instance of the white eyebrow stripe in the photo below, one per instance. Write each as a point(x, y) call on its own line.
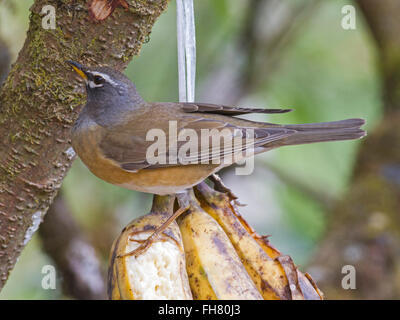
point(105, 77)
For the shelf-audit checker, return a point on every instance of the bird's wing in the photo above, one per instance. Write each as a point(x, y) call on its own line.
point(196, 142)
point(226, 110)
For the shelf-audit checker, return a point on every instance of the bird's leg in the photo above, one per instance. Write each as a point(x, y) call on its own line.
point(145, 244)
point(221, 187)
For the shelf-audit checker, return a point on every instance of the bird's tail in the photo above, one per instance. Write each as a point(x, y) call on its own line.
point(325, 131)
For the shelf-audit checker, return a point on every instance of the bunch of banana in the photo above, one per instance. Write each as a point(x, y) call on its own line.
point(224, 257)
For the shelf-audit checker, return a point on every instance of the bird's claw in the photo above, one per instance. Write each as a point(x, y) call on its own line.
point(144, 245)
point(221, 187)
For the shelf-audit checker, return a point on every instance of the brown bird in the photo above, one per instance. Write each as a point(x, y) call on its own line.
point(111, 135)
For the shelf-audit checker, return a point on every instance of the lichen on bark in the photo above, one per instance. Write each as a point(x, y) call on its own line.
point(41, 99)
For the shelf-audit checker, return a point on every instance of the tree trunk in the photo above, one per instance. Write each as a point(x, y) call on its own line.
point(40, 101)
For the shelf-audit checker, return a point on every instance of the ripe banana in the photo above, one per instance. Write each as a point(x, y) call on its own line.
point(214, 268)
point(274, 275)
point(159, 272)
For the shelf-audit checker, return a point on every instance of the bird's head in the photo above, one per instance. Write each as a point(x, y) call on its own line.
point(104, 82)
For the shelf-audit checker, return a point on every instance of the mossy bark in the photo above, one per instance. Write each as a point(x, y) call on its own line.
point(40, 101)
point(364, 229)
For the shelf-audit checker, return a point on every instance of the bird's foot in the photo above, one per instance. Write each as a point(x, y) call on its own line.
point(221, 187)
point(146, 244)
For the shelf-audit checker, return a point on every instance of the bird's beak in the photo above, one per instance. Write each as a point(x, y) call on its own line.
point(79, 69)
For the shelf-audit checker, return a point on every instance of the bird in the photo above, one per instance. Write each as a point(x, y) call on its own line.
point(111, 135)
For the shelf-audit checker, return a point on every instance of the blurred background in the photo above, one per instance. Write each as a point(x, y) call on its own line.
point(256, 53)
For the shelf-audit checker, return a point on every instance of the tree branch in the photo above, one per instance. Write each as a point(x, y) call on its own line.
point(40, 101)
point(269, 27)
point(73, 255)
point(383, 19)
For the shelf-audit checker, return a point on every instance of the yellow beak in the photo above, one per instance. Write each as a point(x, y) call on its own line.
point(79, 69)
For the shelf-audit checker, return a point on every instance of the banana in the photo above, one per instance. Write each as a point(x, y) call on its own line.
point(301, 286)
point(215, 270)
point(274, 275)
point(157, 273)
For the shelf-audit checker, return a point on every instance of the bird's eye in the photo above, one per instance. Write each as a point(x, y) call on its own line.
point(98, 79)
